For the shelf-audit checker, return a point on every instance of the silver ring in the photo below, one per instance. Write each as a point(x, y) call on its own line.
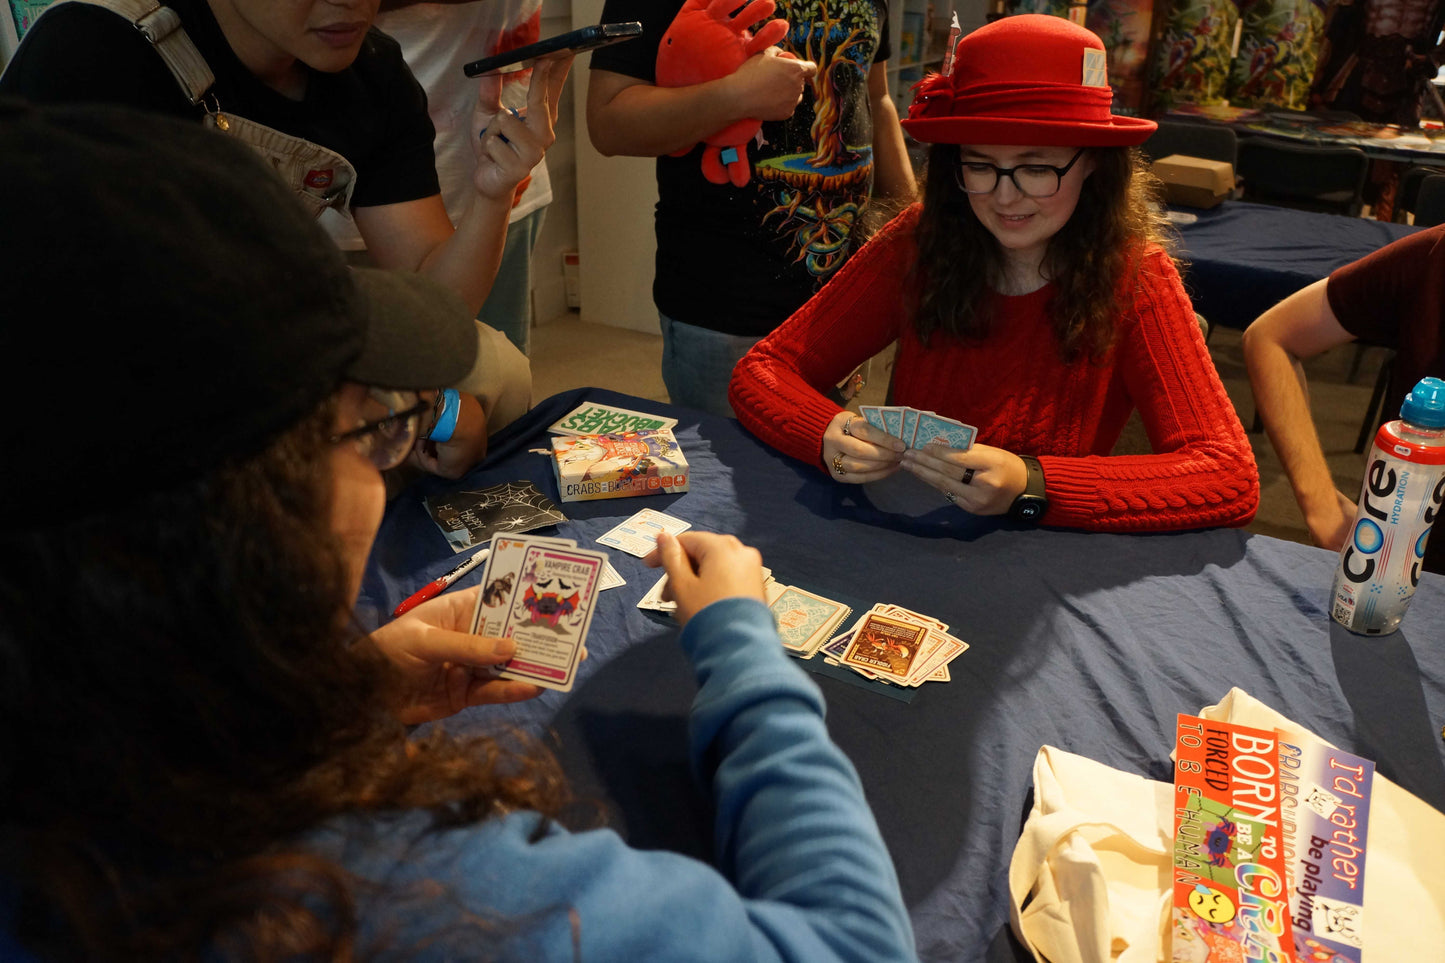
point(848, 426)
point(950, 496)
point(967, 476)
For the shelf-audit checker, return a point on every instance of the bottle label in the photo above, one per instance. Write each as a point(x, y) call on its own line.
point(1379, 567)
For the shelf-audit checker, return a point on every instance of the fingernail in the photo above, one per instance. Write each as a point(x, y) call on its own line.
point(505, 648)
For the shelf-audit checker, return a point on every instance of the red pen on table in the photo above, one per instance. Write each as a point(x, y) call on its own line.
point(438, 585)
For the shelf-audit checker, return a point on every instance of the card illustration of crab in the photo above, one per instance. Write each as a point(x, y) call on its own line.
point(551, 610)
point(501, 577)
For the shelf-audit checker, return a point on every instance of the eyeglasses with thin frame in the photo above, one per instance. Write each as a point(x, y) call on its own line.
point(387, 441)
point(1032, 180)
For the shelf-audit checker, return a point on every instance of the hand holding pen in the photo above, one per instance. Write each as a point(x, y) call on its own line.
point(438, 585)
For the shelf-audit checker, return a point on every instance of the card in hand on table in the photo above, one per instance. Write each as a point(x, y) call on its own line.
point(917, 428)
point(544, 594)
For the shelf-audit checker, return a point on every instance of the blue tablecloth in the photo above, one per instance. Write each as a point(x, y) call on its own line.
point(1244, 258)
point(1089, 642)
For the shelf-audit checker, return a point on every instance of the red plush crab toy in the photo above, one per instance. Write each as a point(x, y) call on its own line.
point(703, 44)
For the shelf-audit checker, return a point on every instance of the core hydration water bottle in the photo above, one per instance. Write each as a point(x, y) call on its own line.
point(1400, 498)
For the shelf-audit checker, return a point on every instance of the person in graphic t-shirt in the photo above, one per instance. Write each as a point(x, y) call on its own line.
point(734, 262)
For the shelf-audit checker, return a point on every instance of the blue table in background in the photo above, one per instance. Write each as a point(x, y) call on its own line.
point(1088, 642)
point(1245, 258)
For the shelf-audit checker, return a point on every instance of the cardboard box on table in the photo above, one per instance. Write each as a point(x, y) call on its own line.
point(618, 465)
point(1194, 181)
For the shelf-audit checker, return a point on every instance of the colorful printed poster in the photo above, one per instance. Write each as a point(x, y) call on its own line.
point(1193, 54)
point(1279, 45)
point(1326, 817)
point(1231, 890)
point(1124, 26)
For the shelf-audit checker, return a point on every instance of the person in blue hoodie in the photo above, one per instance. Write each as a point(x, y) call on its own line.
point(201, 756)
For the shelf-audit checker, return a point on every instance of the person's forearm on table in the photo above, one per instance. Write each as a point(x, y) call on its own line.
point(1275, 347)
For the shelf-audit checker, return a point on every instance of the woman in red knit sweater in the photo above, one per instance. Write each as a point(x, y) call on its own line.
point(1030, 297)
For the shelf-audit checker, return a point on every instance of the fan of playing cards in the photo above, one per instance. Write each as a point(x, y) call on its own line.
point(918, 428)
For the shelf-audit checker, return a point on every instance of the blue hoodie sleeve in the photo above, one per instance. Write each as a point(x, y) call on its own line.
point(803, 874)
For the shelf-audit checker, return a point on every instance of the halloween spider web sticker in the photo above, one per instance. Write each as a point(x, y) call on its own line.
point(471, 518)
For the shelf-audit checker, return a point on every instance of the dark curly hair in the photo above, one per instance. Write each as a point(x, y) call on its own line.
point(182, 695)
point(1089, 260)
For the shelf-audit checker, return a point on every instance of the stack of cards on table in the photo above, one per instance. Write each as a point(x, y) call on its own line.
point(918, 428)
point(896, 645)
point(541, 593)
point(805, 621)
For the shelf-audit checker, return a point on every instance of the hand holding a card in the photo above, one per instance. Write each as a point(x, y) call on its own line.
point(442, 667)
point(862, 453)
point(995, 477)
point(704, 567)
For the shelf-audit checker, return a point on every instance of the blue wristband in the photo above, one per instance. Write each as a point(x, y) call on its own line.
point(446, 422)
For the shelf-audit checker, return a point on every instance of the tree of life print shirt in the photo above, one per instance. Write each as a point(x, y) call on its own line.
point(741, 259)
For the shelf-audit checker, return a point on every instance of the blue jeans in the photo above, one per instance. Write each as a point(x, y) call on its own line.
point(508, 307)
point(697, 364)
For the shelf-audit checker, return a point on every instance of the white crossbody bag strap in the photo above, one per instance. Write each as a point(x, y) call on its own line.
point(162, 27)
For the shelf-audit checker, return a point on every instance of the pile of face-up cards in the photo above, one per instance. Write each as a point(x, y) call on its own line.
point(892, 644)
point(540, 592)
point(918, 428)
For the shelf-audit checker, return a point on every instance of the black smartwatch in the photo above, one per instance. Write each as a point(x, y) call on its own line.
point(1031, 503)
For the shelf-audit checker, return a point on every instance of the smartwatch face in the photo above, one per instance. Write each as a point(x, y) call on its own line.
point(1029, 510)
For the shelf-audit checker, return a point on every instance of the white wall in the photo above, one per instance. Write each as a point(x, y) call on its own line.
point(559, 227)
point(601, 207)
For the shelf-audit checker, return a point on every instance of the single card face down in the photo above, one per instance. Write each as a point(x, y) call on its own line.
point(803, 618)
point(550, 613)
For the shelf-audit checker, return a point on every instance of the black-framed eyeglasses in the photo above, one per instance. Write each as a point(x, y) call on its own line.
point(387, 441)
point(1032, 180)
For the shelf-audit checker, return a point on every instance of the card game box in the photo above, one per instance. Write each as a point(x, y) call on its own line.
point(618, 465)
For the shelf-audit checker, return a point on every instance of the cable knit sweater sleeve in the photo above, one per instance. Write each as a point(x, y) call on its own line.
point(1202, 472)
point(777, 390)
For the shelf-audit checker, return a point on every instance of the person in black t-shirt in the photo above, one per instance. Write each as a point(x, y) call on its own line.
point(734, 262)
point(320, 72)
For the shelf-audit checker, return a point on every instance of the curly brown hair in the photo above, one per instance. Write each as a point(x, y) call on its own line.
point(182, 695)
point(1090, 260)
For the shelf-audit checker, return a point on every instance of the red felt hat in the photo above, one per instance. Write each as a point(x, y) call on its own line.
point(1028, 79)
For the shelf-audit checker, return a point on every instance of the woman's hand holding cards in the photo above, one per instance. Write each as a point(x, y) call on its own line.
point(856, 452)
point(704, 567)
point(994, 477)
point(442, 667)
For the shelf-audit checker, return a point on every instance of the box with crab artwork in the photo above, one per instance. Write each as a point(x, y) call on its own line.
point(618, 465)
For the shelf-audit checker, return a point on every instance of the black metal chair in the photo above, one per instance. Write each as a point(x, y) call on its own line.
point(1430, 202)
point(1191, 139)
point(1328, 179)
point(1407, 192)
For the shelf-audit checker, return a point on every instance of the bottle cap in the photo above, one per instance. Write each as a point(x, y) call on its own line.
point(1425, 404)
